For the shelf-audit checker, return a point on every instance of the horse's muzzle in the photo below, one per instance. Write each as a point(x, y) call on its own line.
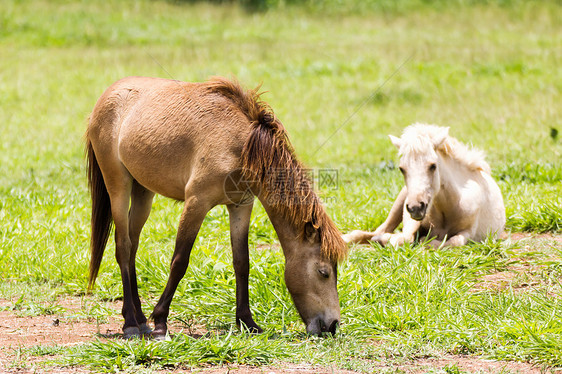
point(417, 211)
point(321, 328)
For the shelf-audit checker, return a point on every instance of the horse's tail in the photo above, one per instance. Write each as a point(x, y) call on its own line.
point(101, 214)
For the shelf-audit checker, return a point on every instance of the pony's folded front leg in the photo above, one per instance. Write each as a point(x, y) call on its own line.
point(460, 239)
point(239, 226)
point(190, 221)
point(409, 230)
point(395, 215)
point(358, 236)
point(382, 233)
point(457, 240)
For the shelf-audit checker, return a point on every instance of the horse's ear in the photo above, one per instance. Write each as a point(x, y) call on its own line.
point(311, 232)
point(440, 137)
point(396, 141)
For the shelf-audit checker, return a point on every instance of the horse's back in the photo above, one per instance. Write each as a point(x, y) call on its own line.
point(480, 206)
point(492, 215)
point(168, 133)
point(470, 201)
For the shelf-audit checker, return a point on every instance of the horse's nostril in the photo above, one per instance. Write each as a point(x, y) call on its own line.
point(422, 204)
point(408, 208)
point(334, 327)
point(322, 325)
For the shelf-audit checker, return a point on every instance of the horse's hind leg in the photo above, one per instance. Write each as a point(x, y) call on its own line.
point(239, 226)
point(194, 211)
point(141, 203)
point(119, 187)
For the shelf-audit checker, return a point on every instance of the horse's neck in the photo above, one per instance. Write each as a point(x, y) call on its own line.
point(453, 176)
point(283, 226)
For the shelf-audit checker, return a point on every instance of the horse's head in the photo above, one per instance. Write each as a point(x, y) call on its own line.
point(311, 279)
point(419, 163)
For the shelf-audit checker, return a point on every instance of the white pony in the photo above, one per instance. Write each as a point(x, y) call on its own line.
point(449, 193)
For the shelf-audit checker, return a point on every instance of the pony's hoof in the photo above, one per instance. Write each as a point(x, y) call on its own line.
point(131, 332)
point(377, 239)
point(161, 337)
point(247, 324)
point(145, 330)
point(255, 329)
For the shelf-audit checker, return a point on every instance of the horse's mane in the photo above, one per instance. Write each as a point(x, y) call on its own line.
point(269, 158)
point(417, 137)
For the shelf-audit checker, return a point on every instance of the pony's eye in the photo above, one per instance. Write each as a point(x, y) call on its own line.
point(324, 273)
point(432, 167)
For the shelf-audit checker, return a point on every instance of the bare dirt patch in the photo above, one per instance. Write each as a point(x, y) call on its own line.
point(468, 364)
point(20, 329)
point(524, 274)
point(544, 236)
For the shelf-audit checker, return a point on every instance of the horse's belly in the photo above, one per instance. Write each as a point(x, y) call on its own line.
point(160, 184)
point(158, 169)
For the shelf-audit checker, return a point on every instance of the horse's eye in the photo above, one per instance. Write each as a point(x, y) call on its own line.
point(402, 170)
point(325, 273)
point(432, 167)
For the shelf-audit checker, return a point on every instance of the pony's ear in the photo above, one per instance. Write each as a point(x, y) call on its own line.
point(440, 137)
point(311, 232)
point(396, 141)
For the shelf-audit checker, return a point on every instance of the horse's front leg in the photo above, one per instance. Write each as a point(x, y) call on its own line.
point(239, 227)
point(358, 236)
point(457, 240)
point(409, 230)
point(190, 222)
point(395, 216)
point(383, 232)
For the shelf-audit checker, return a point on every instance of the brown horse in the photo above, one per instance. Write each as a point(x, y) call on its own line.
point(205, 144)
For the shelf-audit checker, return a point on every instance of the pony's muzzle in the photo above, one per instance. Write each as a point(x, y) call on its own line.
point(417, 211)
point(318, 326)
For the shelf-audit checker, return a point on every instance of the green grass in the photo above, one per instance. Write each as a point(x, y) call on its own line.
point(341, 77)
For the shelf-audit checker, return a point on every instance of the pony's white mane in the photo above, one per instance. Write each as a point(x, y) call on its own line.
point(418, 138)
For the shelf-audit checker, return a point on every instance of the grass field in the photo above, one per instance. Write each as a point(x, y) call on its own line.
point(341, 78)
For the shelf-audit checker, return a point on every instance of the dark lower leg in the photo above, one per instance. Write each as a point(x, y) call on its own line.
point(239, 226)
point(190, 222)
point(141, 202)
point(122, 254)
point(161, 311)
point(141, 318)
point(243, 312)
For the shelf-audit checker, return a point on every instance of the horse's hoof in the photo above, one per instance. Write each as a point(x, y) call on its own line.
point(131, 332)
point(161, 337)
point(251, 330)
point(377, 239)
point(250, 327)
point(145, 330)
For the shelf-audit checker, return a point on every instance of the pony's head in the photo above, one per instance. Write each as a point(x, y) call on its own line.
point(419, 163)
point(311, 278)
